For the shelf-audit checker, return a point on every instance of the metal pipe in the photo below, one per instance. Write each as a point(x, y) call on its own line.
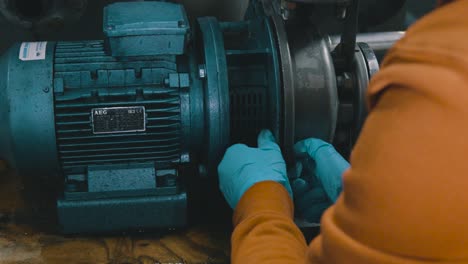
point(378, 41)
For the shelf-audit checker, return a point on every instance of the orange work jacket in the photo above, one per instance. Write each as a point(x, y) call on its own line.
point(405, 198)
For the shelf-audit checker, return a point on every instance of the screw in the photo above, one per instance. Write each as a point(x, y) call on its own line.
point(46, 89)
point(202, 71)
point(185, 158)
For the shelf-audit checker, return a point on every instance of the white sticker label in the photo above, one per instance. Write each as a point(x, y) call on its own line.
point(32, 51)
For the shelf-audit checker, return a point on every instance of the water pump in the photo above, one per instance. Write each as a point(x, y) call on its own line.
point(119, 120)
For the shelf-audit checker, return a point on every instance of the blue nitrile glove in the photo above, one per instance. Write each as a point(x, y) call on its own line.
point(320, 181)
point(242, 167)
point(329, 164)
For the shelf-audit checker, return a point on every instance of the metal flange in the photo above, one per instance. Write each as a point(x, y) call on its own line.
point(216, 91)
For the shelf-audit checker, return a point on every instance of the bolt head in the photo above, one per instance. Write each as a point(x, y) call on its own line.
point(202, 71)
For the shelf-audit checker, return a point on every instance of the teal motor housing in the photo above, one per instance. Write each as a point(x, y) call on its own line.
point(119, 121)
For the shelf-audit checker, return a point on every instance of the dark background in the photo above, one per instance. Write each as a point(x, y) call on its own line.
point(89, 26)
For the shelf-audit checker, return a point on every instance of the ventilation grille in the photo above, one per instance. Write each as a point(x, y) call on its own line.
point(248, 102)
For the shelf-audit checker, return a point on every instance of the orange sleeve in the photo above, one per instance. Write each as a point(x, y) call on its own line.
point(264, 228)
point(405, 197)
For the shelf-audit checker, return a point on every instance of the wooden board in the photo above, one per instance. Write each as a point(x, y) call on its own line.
point(28, 235)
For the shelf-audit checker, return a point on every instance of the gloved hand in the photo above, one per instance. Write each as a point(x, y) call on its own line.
point(242, 167)
point(310, 198)
point(321, 180)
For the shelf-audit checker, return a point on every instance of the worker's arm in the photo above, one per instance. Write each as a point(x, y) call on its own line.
point(264, 228)
point(263, 219)
point(405, 197)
